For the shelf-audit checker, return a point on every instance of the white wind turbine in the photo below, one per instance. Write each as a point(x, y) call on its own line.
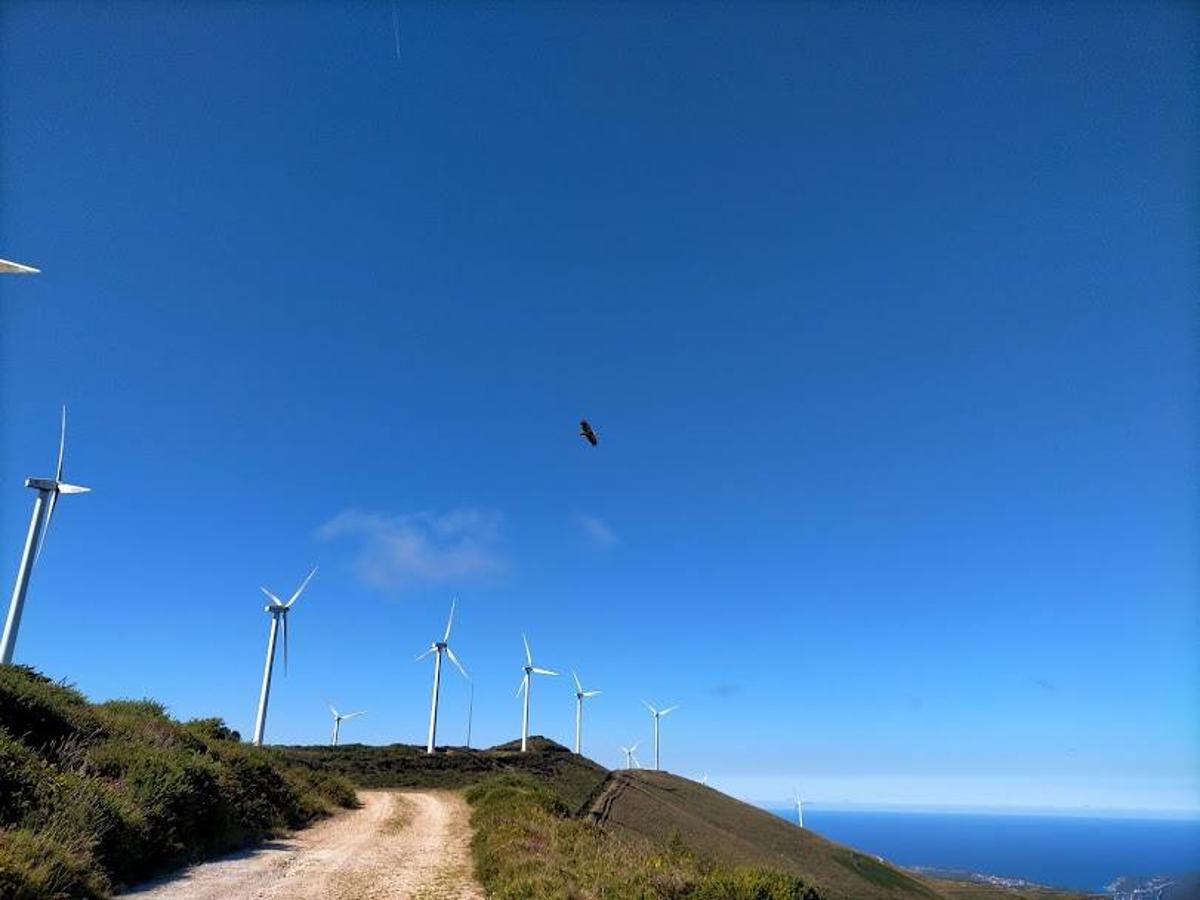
point(48, 491)
point(580, 696)
point(799, 808)
point(279, 613)
point(631, 761)
point(657, 714)
point(526, 682)
point(338, 719)
point(438, 648)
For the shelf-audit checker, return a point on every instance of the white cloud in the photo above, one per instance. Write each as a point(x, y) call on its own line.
point(598, 534)
point(401, 551)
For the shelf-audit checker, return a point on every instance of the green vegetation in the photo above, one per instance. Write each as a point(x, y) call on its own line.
point(654, 806)
point(94, 796)
point(575, 779)
point(526, 844)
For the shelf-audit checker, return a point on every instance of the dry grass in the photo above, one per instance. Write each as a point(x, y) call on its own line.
point(654, 805)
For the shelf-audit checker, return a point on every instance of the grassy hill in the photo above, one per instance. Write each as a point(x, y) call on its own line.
point(94, 796)
point(659, 807)
point(575, 779)
point(551, 824)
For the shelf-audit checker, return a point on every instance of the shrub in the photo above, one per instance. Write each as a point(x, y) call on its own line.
point(93, 797)
point(36, 867)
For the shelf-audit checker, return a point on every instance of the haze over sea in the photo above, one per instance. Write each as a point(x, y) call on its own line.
point(1080, 852)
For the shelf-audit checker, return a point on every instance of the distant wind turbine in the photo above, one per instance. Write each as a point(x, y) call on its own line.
point(279, 613)
point(580, 696)
point(438, 648)
point(631, 761)
point(526, 682)
point(704, 779)
point(658, 714)
point(338, 719)
point(799, 808)
point(48, 491)
point(11, 268)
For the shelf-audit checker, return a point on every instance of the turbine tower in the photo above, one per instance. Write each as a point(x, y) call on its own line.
point(580, 696)
point(279, 611)
point(799, 808)
point(48, 491)
point(526, 682)
point(630, 760)
point(438, 648)
point(657, 714)
point(338, 719)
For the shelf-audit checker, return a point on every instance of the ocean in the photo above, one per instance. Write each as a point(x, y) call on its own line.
point(1071, 852)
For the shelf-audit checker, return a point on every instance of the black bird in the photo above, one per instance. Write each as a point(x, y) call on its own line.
point(585, 432)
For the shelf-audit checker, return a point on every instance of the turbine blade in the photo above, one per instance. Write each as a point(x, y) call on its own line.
point(285, 644)
point(528, 655)
point(450, 621)
point(11, 268)
point(332, 710)
point(521, 686)
point(53, 501)
point(303, 585)
point(432, 649)
point(64, 488)
point(275, 600)
point(62, 444)
point(352, 715)
point(590, 693)
point(578, 686)
point(454, 659)
point(635, 746)
point(544, 671)
point(669, 709)
point(649, 707)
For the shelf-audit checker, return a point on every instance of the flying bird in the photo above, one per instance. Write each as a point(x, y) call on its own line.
point(585, 432)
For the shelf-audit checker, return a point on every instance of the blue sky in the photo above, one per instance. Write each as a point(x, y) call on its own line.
point(886, 316)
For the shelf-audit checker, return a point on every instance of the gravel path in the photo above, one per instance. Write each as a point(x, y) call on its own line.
point(400, 844)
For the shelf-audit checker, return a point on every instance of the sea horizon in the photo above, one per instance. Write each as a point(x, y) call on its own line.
point(1053, 812)
point(1076, 852)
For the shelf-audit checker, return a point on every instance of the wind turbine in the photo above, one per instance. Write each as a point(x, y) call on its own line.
point(658, 714)
point(630, 760)
point(278, 610)
point(526, 682)
point(48, 491)
point(799, 808)
point(338, 719)
point(438, 648)
point(580, 696)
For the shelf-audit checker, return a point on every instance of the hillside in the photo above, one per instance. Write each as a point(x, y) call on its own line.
point(95, 796)
point(657, 806)
point(575, 779)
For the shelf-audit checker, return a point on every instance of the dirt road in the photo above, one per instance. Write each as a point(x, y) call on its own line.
point(401, 844)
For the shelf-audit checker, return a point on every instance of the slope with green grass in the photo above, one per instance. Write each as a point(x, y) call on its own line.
point(95, 796)
point(657, 806)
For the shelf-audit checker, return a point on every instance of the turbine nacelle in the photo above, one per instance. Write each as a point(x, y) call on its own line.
point(51, 485)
